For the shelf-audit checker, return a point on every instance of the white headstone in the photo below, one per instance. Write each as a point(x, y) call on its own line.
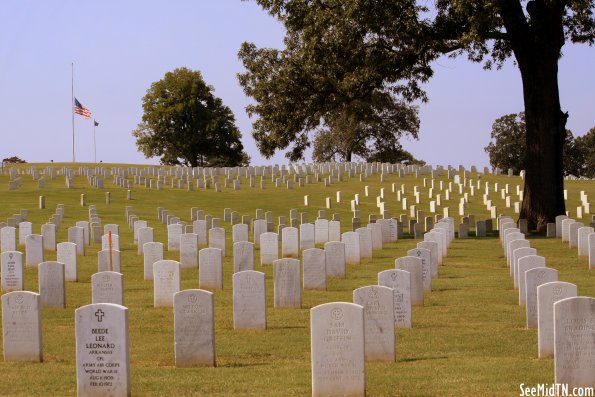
point(194, 328)
point(527, 263)
point(210, 269)
point(108, 261)
point(21, 326)
point(337, 350)
point(138, 224)
point(414, 266)
point(335, 259)
point(379, 321)
point(574, 342)
point(239, 232)
point(321, 231)
point(516, 255)
point(102, 350)
point(249, 300)
point(376, 230)
point(115, 242)
point(52, 289)
point(289, 242)
point(433, 248)
point(189, 250)
point(107, 287)
point(152, 252)
point(217, 239)
point(243, 256)
point(8, 241)
point(426, 264)
point(260, 226)
point(111, 227)
point(306, 236)
point(66, 253)
point(12, 271)
point(583, 240)
point(547, 295)
point(33, 249)
point(174, 231)
point(365, 242)
point(86, 231)
point(314, 260)
point(48, 231)
point(352, 248)
point(533, 279)
point(287, 288)
point(166, 282)
point(25, 229)
point(76, 234)
point(334, 231)
point(145, 235)
point(199, 227)
point(400, 282)
point(269, 248)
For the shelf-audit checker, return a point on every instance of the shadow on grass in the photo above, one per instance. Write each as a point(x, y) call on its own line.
point(414, 359)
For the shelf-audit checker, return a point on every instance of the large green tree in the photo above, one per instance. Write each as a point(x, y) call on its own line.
point(507, 148)
point(367, 129)
point(185, 124)
point(340, 50)
point(584, 148)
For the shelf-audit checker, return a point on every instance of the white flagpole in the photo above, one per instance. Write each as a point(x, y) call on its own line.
point(72, 110)
point(94, 143)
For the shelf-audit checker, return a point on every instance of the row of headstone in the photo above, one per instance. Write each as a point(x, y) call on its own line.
point(562, 318)
point(578, 236)
point(346, 335)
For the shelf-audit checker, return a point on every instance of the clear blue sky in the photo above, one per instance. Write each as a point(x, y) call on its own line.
point(120, 47)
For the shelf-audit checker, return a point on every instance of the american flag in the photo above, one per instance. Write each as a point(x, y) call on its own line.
point(80, 109)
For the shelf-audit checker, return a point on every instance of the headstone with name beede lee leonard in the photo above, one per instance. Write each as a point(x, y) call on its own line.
point(102, 350)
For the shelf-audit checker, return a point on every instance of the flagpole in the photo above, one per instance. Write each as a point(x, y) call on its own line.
point(72, 110)
point(94, 143)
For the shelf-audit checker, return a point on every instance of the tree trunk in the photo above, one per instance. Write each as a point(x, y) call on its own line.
point(543, 195)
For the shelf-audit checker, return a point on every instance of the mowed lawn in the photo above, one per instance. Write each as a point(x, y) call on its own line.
point(469, 338)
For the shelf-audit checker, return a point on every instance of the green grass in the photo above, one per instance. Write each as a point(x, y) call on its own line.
point(469, 339)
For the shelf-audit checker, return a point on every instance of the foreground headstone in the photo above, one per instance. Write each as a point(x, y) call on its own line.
point(166, 282)
point(12, 271)
point(574, 341)
point(102, 350)
point(21, 326)
point(249, 300)
point(107, 287)
point(51, 284)
point(379, 321)
point(289, 242)
point(76, 234)
point(174, 232)
point(287, 288)
point(217, 239)
point(306, 236)
point(547, 295)
point(337, 350)
point(400, 282)
point(194, 328)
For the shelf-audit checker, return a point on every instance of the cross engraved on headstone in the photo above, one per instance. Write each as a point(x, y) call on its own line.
point(99, 314)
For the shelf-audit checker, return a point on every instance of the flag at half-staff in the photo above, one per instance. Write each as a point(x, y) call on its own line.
point(80, 109)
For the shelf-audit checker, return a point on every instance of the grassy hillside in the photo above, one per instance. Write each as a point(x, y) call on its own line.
point(468, 339)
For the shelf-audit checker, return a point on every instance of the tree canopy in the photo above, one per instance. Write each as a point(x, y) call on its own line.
point(338, 51)
point(369, 128)
point(185, 124)
point(507, 148)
